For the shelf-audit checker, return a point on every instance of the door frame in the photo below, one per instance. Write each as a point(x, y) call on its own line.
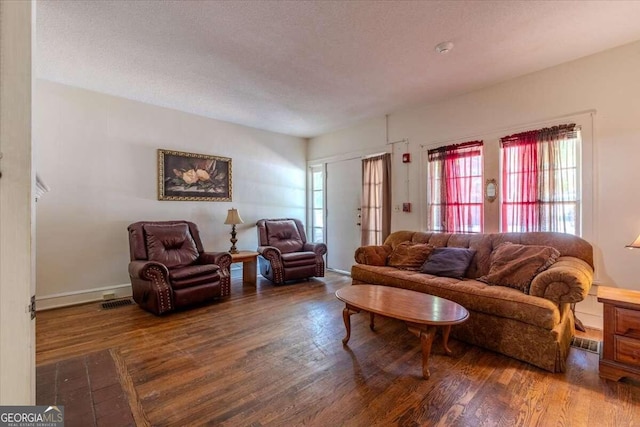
point(323, 161)
point(17, 222)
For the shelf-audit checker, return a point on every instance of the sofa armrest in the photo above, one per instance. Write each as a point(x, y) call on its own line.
point(373, 255)
point(147, 270)
point(566, 281)
point(221, 259)
point(319, 248)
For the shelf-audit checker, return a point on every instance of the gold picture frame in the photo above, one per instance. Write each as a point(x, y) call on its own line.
point(186, 176)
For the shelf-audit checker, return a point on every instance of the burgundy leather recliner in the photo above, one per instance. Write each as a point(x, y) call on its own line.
point(169, 268)
point(285, 253)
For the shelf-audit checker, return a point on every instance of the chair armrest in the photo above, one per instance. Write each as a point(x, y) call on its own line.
point(146, 270)
point(221, 259)
point(373, 255)
point(151, 287)
point(319, 248)
point(566, 281)
point(270, 252)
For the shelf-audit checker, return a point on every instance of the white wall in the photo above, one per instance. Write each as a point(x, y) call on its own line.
point(98, 155)
point(607, 82)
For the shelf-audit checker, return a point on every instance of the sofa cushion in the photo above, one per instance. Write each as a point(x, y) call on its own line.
point(284, 235)
point(409, 256)
point(448, 262)
point(471, 294)
point(515, 265)
point(170, 244)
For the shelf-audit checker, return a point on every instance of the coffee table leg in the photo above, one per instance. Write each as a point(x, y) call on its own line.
point(445, 339)
point(426, 340)
point(346, 316)
point(371, 323)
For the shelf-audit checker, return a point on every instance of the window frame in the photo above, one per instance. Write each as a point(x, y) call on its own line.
point(313, 209)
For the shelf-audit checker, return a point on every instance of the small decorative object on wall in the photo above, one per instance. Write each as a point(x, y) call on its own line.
point(491, 190)
point(193, 177)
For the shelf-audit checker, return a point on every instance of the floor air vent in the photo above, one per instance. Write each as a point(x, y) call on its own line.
point(117, 303)
point(586, 344)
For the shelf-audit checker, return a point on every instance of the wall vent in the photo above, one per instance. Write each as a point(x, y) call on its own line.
point(592, 346)
point(117, 303)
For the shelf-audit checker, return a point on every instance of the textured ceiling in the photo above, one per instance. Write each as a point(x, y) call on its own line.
point(307, 68)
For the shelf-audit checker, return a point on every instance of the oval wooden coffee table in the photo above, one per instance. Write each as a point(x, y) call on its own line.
point(421, 312)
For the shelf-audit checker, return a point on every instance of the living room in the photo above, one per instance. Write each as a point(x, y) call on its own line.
point(96, 150)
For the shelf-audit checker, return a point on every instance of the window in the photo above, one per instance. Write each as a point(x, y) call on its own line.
point(317, 204)
point(540, 180)
point(455, 201)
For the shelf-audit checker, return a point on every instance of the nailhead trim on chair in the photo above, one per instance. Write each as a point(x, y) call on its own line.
point(164, 292)
point(276, 265)
point(225, 286)
point(319, 267)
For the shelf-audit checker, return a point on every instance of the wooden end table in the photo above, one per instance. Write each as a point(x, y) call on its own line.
point(421, 312)
point(249, 260)
point(621, 345)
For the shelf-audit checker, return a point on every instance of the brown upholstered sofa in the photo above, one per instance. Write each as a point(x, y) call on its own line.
point(536, 327)
point(169, 268)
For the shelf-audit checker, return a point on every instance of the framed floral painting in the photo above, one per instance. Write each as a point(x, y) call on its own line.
point(193, 177)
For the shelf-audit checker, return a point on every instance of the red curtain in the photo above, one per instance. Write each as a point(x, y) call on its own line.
point(540, 185)
point(459, 168)
point(520, 182)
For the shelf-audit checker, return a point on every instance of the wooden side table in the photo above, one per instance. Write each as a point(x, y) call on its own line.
point(249, 260)
point(621, 346)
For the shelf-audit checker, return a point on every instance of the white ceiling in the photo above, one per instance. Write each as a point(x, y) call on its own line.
point(307, 68)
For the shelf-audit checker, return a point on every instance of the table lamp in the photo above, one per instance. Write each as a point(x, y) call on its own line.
point(233, 218)
point(635, 244)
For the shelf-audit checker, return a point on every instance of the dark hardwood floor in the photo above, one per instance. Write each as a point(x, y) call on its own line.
point(273, 356)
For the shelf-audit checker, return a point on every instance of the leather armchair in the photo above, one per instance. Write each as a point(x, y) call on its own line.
point(285, 253)
point(169, 268)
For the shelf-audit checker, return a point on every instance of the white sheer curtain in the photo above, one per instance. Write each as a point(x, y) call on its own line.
point(376, 199)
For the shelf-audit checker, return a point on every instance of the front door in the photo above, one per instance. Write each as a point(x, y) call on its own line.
point(344, 188)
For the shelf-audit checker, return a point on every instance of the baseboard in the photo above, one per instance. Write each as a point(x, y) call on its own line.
point(65, 299)
point(335, 270)
point(590, 320)
point(589, 311)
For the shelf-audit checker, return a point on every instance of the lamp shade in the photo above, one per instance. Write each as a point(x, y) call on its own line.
point(233, 217)
point(635, 244)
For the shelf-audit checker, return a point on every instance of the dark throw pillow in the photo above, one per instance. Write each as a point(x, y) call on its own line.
point(448, 262)
point(409, 256)
point(515, 265)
